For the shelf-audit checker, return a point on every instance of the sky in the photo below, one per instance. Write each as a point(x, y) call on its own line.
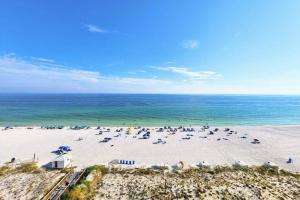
point(143, 46)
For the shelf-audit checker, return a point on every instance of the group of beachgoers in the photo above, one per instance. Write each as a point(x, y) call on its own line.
point(145, 133)
point(189, 132)
point(157, 136)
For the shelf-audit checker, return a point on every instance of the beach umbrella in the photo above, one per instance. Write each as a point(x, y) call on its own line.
point(129, 130)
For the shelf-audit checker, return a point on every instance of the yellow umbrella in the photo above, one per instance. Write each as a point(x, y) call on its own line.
point(130, 130)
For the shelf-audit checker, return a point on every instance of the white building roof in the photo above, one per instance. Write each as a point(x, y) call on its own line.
point(62, 157)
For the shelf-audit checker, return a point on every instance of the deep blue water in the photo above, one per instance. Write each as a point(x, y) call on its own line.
point(151, 110)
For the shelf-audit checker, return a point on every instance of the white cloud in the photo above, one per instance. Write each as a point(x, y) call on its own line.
point(31, 75)
point(16, 66)
point(94, 28)
point(28, 75)
point(199, 75)
point(42, 59)
point(137, 72)
point(190, 44)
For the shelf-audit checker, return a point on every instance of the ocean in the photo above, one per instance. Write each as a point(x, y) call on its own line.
point(147, 109)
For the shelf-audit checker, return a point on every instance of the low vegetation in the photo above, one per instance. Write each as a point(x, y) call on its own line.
point(99, 182)
point(5, 170)
point(30, 167)
point(86, 188)
point(27, 181)
point(210, 183)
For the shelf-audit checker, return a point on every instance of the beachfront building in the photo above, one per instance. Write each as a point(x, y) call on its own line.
point(61, 161)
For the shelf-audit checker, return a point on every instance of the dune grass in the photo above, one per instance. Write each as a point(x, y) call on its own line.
point(29, 168)
point(86, 189)
point(220, 182)
point(24, 168)
point(4, 170)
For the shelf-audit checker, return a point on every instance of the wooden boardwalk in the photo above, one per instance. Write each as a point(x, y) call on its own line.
point(69, 180)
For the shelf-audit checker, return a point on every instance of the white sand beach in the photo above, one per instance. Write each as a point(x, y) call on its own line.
point(276, 144)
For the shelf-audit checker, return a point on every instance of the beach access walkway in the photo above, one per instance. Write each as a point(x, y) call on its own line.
point(69, 180)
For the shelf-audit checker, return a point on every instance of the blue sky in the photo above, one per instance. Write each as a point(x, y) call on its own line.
point(139, 46)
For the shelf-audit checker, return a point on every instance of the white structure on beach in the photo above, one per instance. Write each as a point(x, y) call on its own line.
point(61, 161)
point(270, 164)
point(240, 163)
point(203, 164)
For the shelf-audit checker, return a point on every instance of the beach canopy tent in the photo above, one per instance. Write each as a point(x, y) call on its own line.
point(65, 148)
point(61, 161)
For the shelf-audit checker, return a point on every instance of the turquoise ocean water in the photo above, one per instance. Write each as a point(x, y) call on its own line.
point(147, 110)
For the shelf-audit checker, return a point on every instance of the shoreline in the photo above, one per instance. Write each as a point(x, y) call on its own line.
point(277, 144)
point(150, 126)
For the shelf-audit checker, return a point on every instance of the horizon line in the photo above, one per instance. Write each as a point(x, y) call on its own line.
point(123, 93)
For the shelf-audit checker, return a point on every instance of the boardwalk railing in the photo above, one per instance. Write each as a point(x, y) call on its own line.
point(65, 183)
point(59, 183)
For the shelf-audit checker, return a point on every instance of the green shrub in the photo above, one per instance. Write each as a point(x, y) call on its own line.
point(97, 168)
point(86, 189)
